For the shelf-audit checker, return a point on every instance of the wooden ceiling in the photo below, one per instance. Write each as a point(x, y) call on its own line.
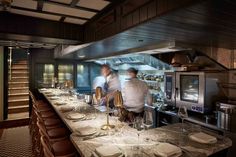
point(69, 11)
point(207, 23)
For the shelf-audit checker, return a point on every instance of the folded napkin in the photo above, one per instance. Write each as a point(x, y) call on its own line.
point(85, 131)
point(108, 151)
point(167, 150)
point(75, 116)
point(202, 137)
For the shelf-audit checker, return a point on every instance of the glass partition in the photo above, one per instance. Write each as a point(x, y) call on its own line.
point(83, 76)
point(44, 75)
point(65, 73)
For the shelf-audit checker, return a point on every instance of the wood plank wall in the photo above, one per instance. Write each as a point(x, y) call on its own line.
point(129, 14)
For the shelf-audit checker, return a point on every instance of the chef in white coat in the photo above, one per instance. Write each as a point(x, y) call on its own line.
point(135, 93)
point(112, 82)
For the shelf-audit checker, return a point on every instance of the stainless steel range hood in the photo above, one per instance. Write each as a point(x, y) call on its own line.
point(108, 48)
point(139, 61)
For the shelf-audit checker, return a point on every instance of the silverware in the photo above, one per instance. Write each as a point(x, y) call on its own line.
point(82, 119)
point(94, 136)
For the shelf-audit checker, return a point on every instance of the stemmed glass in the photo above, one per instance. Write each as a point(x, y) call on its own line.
point(138, 125)
point(183, 114)
point(147, 120)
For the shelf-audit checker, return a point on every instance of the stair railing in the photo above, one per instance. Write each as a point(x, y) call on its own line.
point(10, 62)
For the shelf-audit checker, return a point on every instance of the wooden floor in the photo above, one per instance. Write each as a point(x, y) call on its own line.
point(15, 142)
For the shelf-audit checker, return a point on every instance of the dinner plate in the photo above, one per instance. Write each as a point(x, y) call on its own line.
point(75, 118)
point(54, 98)
point(89, 133)
point(174, 155)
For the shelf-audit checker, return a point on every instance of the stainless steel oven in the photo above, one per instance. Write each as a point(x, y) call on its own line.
point(198, 91)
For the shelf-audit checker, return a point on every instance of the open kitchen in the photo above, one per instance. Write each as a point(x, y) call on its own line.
point(117, 78)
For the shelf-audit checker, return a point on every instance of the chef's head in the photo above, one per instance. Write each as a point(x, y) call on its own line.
point(132, 72)
point(105, 70)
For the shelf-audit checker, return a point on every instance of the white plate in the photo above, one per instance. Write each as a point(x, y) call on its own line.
point(175, 155)
point(54, 98)
point(92, 132)
point(75, 118)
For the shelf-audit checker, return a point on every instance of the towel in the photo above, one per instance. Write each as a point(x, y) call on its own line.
point(167, 150)
point(202, 137)
point(108, 151)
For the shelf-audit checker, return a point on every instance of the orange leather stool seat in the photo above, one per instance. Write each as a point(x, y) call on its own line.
point(51, 122)
point(64, 147)
point(48, 114)
point(57, 133)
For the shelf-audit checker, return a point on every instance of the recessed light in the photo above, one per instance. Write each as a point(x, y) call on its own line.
point(81, 56)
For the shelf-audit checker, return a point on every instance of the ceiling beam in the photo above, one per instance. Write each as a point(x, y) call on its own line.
point(50, 13)
point(69, 6)
point(72, 4)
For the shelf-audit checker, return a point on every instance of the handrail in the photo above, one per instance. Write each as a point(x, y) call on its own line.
point(10, 62)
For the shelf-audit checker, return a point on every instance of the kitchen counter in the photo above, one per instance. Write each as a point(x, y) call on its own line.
point(126, 137)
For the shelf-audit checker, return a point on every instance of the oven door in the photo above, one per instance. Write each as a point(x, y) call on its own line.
point(190, 90)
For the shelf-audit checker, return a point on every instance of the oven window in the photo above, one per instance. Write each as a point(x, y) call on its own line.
point(189, 88)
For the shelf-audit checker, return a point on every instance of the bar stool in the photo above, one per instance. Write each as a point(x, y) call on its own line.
point(48, 150)
point(49, 123)
point(55, 134)
point(58, 148)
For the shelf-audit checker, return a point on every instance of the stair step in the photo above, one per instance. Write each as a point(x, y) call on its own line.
point(18, 84)
point(18, 88)
point(13, 82)
point(18, 97)
point(16, 91)
point(19, 68)
point(20, 62)
point(19, 79)
point(17, 94)
point(18, 102)
point(18, 109)
point(16, 116)
point(19, 74)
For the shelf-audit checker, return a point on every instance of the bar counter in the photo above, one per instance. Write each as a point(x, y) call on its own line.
point(126, 137)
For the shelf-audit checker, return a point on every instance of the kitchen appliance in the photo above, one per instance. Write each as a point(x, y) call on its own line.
point(198, 91)
point(169, 89)
point(226, 119)
point(88, 98)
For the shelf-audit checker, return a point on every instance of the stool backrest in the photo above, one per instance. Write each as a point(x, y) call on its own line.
point(46, 149)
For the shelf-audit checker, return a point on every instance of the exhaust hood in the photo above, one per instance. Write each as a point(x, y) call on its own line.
point(139, 61)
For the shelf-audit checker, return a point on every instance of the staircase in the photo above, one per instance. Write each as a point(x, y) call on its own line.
point(18, 90)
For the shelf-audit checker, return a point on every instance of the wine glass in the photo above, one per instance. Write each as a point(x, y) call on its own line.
point(147, 120)
point(183, 114)
point(138, 125)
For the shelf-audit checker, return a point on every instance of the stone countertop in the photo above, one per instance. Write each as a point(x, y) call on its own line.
point(126, 137)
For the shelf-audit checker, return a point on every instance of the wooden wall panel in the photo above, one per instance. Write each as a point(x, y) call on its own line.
point(129, 14)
